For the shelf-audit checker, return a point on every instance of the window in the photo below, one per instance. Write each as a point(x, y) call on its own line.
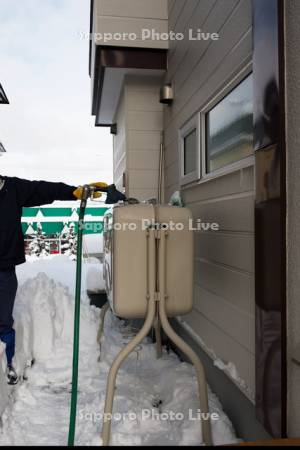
point(190, 148)
point(229, 127)
point(190, 151)
point(219, 138)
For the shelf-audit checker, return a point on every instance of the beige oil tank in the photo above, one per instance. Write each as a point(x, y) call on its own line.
point(126, 259)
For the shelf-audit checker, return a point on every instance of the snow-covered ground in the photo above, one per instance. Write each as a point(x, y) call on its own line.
point(152, 391)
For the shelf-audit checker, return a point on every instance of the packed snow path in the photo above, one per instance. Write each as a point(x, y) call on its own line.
point(38, 410)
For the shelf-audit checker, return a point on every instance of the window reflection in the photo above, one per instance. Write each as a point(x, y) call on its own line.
point(229, 127)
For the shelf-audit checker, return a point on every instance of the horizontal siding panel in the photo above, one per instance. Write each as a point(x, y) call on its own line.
point(142, 83)
point(181, 48)
point(172, 174)
point(143, 194)
point(176, 12)
point(120, 162)
point(184, 18)
point(233, 249)
point(128, 25)
point(232, 214)
point(224, 347)
point(147, 121)
point(139, 101)
point(235, 182)
point(143, 179)
point(172, 152)
point(155, 9)
point(143, 160)
point(171, 4)
point(209, 80)
point(237, 324)
point(234, 286)
point(144, 140)
point(202, 51)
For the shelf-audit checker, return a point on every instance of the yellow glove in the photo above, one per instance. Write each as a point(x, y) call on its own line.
point(78, 192)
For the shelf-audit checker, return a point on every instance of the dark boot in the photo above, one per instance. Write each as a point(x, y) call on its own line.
point(11, 375)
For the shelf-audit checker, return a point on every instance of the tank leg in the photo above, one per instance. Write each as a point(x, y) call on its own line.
point(202, 386)
point(112, 376)
point(157, 329)
point(182, 345)
point(104, 310)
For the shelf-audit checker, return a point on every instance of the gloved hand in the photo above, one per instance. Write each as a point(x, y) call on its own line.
point(78, 192)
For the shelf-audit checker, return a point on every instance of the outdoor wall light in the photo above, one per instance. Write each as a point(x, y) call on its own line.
point(166, 94)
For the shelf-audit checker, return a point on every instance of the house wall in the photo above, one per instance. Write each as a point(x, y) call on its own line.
point(292, 17)
point(137, 144)
point(119, 144)
point(223, 315)
point(131, 16)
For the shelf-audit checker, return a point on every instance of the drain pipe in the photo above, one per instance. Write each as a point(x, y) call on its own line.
point(157, 324)
point(161, 168)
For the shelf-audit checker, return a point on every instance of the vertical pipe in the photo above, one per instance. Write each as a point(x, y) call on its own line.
point(125, 352)
point(161, 167)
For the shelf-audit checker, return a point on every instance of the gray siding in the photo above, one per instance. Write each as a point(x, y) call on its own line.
point(223, 315)
point(131, 16)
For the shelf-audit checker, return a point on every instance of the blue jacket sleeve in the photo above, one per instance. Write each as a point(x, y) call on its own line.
point(37, 193)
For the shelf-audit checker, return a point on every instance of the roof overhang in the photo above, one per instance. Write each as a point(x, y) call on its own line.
point(111, 66)
point(3, 98)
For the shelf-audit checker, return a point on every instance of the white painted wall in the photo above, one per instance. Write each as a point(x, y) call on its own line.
point(131, 16)
point(223, 315)
point(292, 14)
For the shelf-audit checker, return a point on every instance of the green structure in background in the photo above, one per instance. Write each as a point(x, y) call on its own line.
point(65, 217)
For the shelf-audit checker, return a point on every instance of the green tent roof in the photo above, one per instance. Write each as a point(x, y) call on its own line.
point(30, 212)
point(56, 212)
point(50, 228)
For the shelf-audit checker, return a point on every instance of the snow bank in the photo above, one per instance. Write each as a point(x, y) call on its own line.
point(39, 414)
point(3, 384)
point(57, 267)
point(94, 278)
point(93, 244)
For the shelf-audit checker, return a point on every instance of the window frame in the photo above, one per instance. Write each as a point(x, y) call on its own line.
point(192, 124)
point(221, 95)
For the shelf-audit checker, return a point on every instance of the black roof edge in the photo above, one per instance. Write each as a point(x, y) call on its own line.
point(146, 57)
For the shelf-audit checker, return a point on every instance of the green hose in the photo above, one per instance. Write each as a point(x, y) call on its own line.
point(73, 411)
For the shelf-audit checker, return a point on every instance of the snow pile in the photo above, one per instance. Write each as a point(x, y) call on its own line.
point(58, 267)
point(94, 278)
point(93, 244)
point(148, 389)
point(3, 385)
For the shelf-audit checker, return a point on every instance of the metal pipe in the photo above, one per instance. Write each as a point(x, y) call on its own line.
point(104, 310)
point(202, 386)
point(161, 167)
point(158, 340)
point(125, 352)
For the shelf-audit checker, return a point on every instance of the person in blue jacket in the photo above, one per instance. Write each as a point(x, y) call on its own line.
point(15, 194)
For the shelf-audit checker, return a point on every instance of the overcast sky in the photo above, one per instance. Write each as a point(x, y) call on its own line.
point(47, 129)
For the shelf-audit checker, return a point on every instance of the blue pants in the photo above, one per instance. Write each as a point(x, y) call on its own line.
point(8, 290)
